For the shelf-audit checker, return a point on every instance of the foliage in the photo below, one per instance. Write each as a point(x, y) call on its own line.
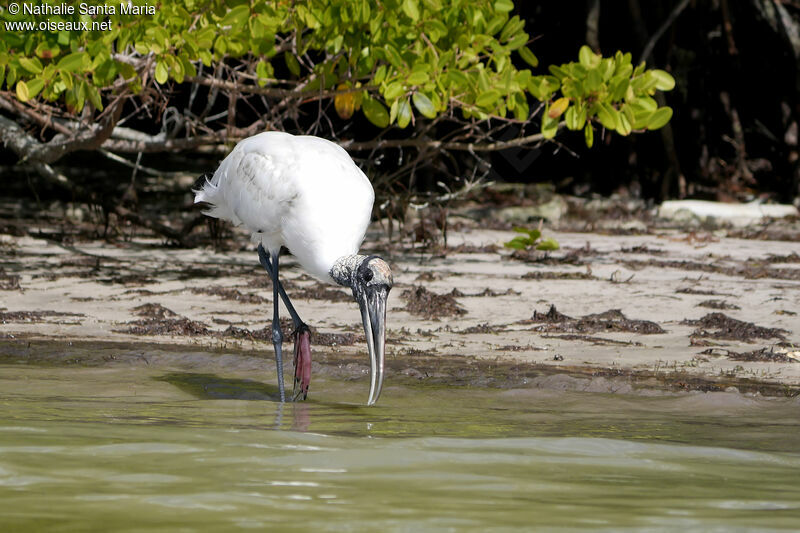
point(531, 238)
point(395, 61)
point(443, 82)
point(606, 90)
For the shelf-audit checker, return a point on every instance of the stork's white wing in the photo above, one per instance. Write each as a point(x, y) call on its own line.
point(301, 192)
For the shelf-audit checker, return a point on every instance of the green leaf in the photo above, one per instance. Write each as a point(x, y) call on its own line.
point(263, 72)
point(645, 82)
point(411, 8)
point(236, 16)
point(513, 27)
point(623, 125)
point(31, 64)
point(588, 134)
point(536, 87)
point(548, 245)
point(607, 67)
point(418, 78)
point(487, 98)
point(660, 118)
point(594, 80)
point(177, 71)
point(503, 5)
point(67, 79)
point(458, 78)
point(423, 105)
point(94, 97)
point(291, 63)
point(403, 114)
point(644, 104)
point(23, 95)
point(394, 90)
point(80, 91)
point(629, 114)
point(528, 56)
point(521, 109)
point(517, 243)
point(517, 41)
point(533, 234)
point(607, 115)
point(664, 80)
point(125, 69)
point(392, 55)
point(588, 59)
point(435, 29)
point(640, 118)
point(162, 73)
point(375, 112)
point(575, 117)
point(620, 88)
point(105, 72)
point(188, 67)
point(549, 125)
point(380, 75)
point(558, 72)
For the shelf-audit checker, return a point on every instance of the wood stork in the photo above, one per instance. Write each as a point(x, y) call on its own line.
point(306, 194)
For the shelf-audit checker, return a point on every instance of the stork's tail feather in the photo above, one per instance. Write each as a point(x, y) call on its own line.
point(209, 192)
point(203, 187)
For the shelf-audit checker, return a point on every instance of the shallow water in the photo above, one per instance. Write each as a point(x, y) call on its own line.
point(130, 448)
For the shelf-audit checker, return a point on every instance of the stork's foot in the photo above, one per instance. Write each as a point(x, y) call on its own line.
point(302, 362)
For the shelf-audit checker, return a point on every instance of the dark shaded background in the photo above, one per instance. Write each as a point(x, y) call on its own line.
point(736, 104)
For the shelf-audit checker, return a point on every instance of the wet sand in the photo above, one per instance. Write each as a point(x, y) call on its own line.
point(674, 309)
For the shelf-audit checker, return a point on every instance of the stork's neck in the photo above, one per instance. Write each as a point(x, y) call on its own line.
point(344, 269)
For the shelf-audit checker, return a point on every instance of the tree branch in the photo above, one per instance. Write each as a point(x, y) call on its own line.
point(593, 25)
point(67, 140)
point(676, 11)
point(444, 145)
point(164, 145)
point(147, 170)
point(244, 88)
point(19, 142)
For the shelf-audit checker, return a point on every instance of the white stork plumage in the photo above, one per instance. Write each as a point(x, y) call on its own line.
point(306, 194)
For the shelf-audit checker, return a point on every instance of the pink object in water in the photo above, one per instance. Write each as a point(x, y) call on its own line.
point(302, 362)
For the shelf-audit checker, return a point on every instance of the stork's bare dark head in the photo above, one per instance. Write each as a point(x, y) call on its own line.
point(373, 273)
point(370, 279)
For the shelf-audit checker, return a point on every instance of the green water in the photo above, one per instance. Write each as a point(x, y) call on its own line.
point(195, 447)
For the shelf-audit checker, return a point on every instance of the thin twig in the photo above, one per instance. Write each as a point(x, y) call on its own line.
point(147, 170)
point(676, 11)
point(442, 145)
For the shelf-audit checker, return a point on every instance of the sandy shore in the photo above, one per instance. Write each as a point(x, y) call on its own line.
point(697, 309)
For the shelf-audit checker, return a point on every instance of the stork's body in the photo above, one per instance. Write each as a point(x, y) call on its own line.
point(306, 194)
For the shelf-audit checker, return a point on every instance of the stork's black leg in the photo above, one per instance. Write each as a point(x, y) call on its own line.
point(302, 345)
point(277, 335)
point(263, 256)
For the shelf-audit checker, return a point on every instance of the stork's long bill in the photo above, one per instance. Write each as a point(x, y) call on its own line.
point(370, 278)
point(373, 316)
